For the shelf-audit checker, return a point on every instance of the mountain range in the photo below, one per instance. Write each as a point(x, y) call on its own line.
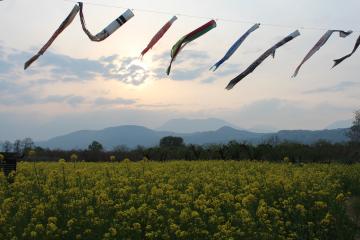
point(132, 136)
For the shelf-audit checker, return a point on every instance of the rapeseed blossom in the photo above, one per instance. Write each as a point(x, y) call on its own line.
point(178, 200)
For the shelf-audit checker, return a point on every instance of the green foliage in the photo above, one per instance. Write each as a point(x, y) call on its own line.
point(320, 152)
point(354, 133)
point(95, 147)
point(178, 200)
point(18, 146)
point(171, 142)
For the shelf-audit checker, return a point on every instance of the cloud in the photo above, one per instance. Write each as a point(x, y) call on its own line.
point(131, 74)
point(28, 99)
point(185, 55)
point(187, 74)
point(190, 65)
point(158, 105)
point(228, 69)
point(116, 101)
point(8, 86)
point(75, 100)
point(274, 113)
point(109, 59)
point(209, 80)
point(41, 126)
point(21, 88)
point(4, 66)
point(63, 68)
point(336, 88)
point(68, 99)
point(82, 69)
point(286, 114)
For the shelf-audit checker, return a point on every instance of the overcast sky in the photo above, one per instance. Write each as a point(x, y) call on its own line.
point(79, 84)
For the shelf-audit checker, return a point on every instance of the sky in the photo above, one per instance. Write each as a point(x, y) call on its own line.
point(79, 84)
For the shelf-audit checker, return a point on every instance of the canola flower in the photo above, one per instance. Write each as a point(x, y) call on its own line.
point(73, 157)
point(178, 200)
point(32, 153)
point(112, 158)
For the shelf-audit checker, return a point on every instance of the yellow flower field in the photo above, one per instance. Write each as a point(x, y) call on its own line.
point(178, 200)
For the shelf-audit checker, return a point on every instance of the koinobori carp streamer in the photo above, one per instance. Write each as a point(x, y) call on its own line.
point(255, 64)
point(188, 38)
point(235, 47)
point(110, 29)
point(338, 61)
point(319, 44)
point(61, 28)
point(159, 35)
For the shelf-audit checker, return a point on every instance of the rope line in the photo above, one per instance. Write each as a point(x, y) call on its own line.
point(203, 17)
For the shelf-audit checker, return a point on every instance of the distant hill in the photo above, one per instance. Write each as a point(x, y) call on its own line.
point(340, 124)
point(223, 135)
point(263, 129)
point(184, 125)
point(132, 136)
point(308, 137)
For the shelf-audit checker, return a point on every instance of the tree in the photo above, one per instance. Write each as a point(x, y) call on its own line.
point(7, 146)
point(18, 148)
point(354, 133)
point(171, 142)
point(27, 144)
point(95, 147)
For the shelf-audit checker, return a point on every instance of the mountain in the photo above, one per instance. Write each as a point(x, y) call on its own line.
point(184, 125)
point(132, 136)
point(263, 129)
point(340, 124)
point(222, 135)
point(309, 137)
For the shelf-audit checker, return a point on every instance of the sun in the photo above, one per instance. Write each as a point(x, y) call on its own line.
point(141, 63)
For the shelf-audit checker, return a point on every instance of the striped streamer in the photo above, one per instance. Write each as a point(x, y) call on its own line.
point(61, 28)
point(338, 61)
point(265, 55)
point(188, 38)
point(110, 29)
point(319, 44)
point(234, 47)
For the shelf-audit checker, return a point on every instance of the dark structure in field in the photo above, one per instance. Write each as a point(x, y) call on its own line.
point(9, 162)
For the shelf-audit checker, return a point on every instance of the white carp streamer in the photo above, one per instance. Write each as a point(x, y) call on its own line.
point(319, 44)
point(110, 29)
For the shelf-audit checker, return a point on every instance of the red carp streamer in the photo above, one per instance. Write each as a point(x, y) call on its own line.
point(159, 35)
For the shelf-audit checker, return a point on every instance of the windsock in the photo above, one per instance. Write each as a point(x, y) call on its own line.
point(265, 55)
point(319, 44)
point(234, 47)
point(189, 38)
point(159, 35)
point(110, 29)
point(338, 61)
point(61, 28)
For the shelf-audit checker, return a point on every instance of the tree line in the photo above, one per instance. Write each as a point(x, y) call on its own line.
point(320, 152)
